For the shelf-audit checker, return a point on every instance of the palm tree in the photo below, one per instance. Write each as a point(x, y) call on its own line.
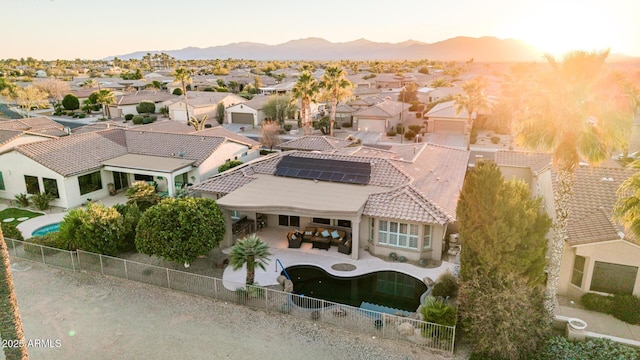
point(335, 83)
point(250, 251)
point(105, 97)
point(440, 82)
point(576, 112)
point(10, 321)
point(305, 89)
point(472, 100)
point(627, 208)
point(183, 76)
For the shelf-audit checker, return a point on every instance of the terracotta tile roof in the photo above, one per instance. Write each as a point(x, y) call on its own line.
point(438, 173)
point(533, 160)
point(30, 124)
point(8, 135)
point(222, 132)
point(169, 126)
point(103, 125)
point(188, 146)
point(405, 203)
point(137, 97)
point(447, 110)
point(592, 202)
point(366, 151)
point(315, 143)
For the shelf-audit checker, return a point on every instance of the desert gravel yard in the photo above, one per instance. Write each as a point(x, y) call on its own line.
point(77, 315)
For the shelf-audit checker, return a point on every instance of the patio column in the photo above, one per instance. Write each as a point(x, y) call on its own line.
point(355, 237)
point(171, 185)
point(228, 235)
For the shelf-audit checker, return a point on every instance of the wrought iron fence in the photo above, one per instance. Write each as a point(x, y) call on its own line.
point(361, 321)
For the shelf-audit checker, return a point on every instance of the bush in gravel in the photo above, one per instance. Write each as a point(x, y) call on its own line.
point(446, 285)
point(137, 119)
point(409, 135)
point(128, 117)
point(415, 128)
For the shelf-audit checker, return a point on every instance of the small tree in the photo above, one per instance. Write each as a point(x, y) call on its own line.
point(220, 113)
point(70, 102)
point(180, 229)
point(229, 164)
point(198, 124)
point(95, 228)
point(279, 107)
point(270, 134)
point(143, 195)
point(177, 91)
point(252, 252)
point(146, 107)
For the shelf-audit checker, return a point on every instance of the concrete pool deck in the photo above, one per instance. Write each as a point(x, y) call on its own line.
point(28, 226)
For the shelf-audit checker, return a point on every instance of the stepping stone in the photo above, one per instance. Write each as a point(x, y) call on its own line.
point(7, 220)
point(22, 218)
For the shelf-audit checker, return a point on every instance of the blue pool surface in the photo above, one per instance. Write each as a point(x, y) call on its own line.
point(46, 229)
point(390, 289)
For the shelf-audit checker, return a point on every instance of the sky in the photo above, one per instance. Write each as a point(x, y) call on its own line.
point(90, 29)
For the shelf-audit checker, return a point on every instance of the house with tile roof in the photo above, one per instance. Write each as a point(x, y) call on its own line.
point(248, 113)
point(600, 254)
point(381, 117)
point(127, 103)
point(89, 165)
point(443, 119)
point(315, 143)
point(28, 130)
point(402, 206)
point(202, 103)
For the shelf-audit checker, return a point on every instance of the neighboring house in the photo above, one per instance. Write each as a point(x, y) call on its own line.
point(392, 81)
point(84, 166)
point(428, 95)
point(344, 114)
point(442, 119)
point(315, 143)
point(381, 117)
point(28, 130)
point(249, 113)
point(202, 103)
point(600, 255)
point(127, 103)
point(405, 207)
point(278, 89)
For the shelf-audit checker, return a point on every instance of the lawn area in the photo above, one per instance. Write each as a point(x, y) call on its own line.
point(16, 214)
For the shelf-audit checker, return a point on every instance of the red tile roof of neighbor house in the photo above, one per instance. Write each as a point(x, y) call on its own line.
point(8, 135)
point(315, 143)
point(424, 190)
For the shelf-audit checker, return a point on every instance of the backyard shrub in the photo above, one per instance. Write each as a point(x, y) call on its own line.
point(559, 347)
point(146, 120)
point(164, 110)
point(42, 200)
point(446, 286)
point(143, 195)
point(415, 128)
point(437, 311)
point(177, 91)
point(96, 228)
point(153, 118)
point(70, 102)
point(137, 119)
point(49, 240)
point(131, 215)
point(228, 165)
point(22, 199)
point(128, 117)
point(597, 302)
point(495, 139)
point(10, 231)
point(266, 152)
point(147, 107)
point(626, 308)
point(391, 133)
point(409, 135)
point(82, 115)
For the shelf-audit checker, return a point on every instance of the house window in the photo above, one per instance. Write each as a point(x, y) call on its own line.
point(398, 234)
point(578, 270)
point(342, 223)
point(291, 221)
point(51, 187)
point(613, 278)
point(372, 228)
point(426, 238)
point(140, 177)
point(90, 182)
point(32, 184)
point(2, 182)
point(245, 153)
point(321, 221)
point(235, 214)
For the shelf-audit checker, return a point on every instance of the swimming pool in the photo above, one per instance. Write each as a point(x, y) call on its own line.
point(387, 288)
point(46, 229)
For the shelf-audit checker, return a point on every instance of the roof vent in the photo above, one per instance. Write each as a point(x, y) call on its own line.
point(182, 153)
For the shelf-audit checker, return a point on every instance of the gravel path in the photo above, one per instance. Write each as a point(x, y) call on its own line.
point(99, 317)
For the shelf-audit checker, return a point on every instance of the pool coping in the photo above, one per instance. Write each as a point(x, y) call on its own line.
point(28, 226)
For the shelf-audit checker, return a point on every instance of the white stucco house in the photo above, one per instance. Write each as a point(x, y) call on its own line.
point(127, 103)
point(249, 113)
point(28, 130)
point(380, 117)
point(202, 103)
point(84, 166)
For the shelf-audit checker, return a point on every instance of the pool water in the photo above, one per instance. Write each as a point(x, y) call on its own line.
point(46, 229)
point(387, 288)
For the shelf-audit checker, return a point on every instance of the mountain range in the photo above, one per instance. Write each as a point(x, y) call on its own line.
point(483, 49)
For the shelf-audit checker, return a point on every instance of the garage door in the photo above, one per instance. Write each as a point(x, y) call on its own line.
point(371, 125)
point(448, 127)
point(242, 118)
point(180, 115)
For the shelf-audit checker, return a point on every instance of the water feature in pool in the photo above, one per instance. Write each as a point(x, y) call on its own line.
point(387, 288)
point(46, 229)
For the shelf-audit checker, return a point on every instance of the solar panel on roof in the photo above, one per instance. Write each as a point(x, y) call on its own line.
point(351, 172)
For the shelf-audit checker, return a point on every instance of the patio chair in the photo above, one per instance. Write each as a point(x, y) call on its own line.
point(295, 241)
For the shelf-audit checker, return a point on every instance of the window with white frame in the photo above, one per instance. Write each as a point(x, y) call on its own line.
point(398, 234)
point(426, 237)
point(372, 228)
point(235, 214)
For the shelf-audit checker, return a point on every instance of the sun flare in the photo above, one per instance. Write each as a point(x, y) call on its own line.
point(565, 26)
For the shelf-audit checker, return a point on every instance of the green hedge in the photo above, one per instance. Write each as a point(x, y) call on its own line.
point(622, 307)
point(560, 348)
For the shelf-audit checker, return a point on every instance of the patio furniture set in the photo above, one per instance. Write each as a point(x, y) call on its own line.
point(321, 238)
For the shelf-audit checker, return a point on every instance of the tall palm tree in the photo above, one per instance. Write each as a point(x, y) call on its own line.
point(250, 251)
point(627, 208)
point(335, 83)
point(305, 89)
point(440, 82)
point(105, 97)
point(576, 112)
point(10, 321)
point(472, 100)
point(183, 76)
